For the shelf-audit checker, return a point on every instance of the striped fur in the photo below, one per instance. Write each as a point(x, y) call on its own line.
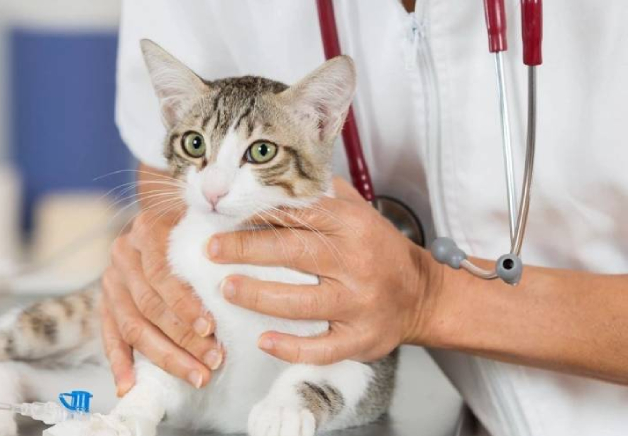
point(50, 327)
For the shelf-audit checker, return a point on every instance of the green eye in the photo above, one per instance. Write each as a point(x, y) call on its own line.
point(193, 144)
point(261, 152)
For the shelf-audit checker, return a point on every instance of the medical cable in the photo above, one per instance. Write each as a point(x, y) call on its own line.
point(49, 413)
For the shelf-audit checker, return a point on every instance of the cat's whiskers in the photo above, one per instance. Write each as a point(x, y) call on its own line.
point(176, 205)
point(125, 187)
point(151, 173)
point(178, 200)
point(323, 238)
point(142, 196)
point(296, 233)
point(277, 234)
point(317, 208)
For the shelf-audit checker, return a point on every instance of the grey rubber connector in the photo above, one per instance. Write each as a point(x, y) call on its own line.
point(509, 268)
point(444, 250)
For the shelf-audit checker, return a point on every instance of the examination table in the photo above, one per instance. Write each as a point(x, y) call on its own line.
point(425, 403)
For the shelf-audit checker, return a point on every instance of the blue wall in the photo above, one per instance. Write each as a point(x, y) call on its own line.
point(63, 134)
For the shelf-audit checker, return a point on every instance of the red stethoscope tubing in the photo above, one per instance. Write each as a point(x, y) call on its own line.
point(360, 176)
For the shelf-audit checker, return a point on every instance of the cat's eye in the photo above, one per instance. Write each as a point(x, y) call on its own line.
point(260, 152)
point(193, 144)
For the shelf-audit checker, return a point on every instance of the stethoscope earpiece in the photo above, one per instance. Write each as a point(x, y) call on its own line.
point(508, 267)
point(444, 250)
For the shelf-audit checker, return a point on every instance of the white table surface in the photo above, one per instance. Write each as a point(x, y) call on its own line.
point(425, 403)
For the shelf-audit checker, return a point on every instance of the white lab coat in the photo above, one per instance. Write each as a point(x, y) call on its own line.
point(427, 113)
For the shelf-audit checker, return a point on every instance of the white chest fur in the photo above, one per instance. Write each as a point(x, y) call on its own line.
point(247, 372)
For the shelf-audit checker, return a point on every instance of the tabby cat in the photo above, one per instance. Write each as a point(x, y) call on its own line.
point(239, 146)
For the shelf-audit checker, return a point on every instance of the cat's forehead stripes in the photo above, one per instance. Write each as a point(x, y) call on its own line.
point(231, 104)
point(234, 103)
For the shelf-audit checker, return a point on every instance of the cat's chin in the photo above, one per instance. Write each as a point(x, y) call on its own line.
point(221, 219)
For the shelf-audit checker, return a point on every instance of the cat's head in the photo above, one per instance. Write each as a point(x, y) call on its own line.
point(248, 144)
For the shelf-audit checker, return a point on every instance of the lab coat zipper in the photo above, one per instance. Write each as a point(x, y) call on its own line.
point(421, 56)
point(420, 62)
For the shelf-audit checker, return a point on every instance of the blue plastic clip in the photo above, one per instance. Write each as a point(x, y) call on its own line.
point(79, 401)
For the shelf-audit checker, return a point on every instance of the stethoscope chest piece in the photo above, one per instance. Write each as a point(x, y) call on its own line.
point(401, 216)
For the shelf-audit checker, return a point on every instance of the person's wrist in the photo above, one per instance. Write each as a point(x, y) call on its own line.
point(427, 281)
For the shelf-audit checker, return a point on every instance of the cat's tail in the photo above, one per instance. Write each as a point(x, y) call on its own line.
point(51, 328)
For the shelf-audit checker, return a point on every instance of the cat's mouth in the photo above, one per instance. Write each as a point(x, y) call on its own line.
point(216, 213)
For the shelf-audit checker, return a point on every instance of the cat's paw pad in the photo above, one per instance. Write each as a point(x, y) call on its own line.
point(272, 419)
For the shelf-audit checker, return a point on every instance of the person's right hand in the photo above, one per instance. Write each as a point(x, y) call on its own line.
point(145, 307)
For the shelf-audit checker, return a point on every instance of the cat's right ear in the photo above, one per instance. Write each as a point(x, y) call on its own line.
point(175, 84)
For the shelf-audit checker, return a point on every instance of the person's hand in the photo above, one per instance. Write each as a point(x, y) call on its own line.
point(145, 307)
point(373, 280)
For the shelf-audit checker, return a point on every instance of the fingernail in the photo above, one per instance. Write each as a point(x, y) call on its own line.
point(202, 327)
point(195, 379)
point(227, 288)
point(121, 391)
point(122, 387)
point(214, 248)
point(213, 359)
point(266, 344)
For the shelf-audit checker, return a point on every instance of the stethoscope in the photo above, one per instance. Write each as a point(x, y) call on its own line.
point(508, 267)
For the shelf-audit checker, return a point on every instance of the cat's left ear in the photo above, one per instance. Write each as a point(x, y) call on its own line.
point(323, 97)
point(175, 84)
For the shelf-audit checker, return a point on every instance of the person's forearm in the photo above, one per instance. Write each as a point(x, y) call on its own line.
point(566, 320)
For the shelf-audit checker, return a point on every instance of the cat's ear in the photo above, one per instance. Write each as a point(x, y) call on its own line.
point(323, 97)
point(175, 84)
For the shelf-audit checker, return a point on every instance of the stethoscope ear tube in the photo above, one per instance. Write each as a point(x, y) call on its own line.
point(508, 267)
point(394, 210)
point(532, 31)
point(358, 169)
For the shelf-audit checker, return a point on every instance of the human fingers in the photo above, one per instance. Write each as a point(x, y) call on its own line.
point(118, 352)
point(319, 302)
point(345, 190)
point(152, 306)
point(146, 338)
point(325, 349)
point(150, 237)
point(299, 249)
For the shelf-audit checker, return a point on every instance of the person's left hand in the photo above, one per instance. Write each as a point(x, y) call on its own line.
point(373, 280)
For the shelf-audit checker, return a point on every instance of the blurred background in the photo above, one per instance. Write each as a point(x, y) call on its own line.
point(60, 151)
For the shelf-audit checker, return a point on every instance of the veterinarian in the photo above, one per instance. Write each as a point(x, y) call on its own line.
point(548, 357)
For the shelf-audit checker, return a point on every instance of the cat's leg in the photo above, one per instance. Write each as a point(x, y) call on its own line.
point(144, 406)
point(138, 413)
point(307, 398)
point(52, 327)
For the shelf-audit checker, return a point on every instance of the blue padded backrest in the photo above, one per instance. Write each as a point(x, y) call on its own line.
point(63, 134)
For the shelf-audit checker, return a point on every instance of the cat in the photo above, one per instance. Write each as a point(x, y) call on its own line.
point(240, 146)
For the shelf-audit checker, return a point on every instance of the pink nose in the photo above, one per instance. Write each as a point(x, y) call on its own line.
point(213, 197)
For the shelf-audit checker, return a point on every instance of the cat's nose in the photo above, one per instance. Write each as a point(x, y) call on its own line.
point(213, 197)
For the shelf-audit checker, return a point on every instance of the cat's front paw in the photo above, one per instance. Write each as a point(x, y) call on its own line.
point(269, 418)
